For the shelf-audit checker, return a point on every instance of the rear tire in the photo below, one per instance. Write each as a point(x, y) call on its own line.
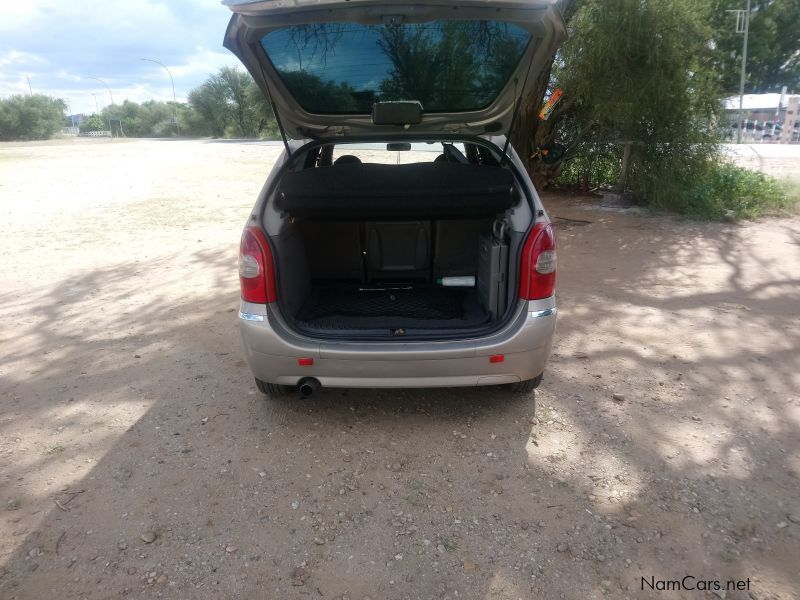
point(272, 389)
point(527, 386)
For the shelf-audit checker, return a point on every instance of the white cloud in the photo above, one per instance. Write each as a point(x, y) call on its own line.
point(60, 45)
point(16, 57)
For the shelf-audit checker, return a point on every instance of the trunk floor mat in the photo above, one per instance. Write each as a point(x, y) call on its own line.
point(354, 307)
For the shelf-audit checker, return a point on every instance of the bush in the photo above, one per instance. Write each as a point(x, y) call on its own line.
point(719, 190)
point(728, 190)
point(35, 117)
point(596, 165)
point(93, 123)
point(711, 188)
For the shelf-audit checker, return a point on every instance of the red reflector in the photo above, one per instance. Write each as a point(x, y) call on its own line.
point(305, 362)
point(496, 358)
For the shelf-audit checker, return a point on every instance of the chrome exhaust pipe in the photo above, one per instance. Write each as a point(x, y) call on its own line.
point(308, 386)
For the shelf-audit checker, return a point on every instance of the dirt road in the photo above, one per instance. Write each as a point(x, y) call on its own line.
point(137, 459)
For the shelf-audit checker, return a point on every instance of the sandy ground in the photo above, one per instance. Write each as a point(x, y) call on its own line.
point(138, 460)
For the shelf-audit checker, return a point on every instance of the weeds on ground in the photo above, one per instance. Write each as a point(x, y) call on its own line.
point(415, 497)
point(546, 413)
point(700, 186)
point(447, 543)
point(414, 500)
point(721, 191)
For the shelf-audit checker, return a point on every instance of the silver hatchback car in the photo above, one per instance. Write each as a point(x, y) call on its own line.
point(398, 241)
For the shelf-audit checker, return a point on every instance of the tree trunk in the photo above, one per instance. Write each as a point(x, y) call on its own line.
point(622, 181)
point(530, 132)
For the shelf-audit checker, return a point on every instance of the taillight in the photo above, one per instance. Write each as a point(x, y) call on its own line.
point(256, 270)
point(537, 277)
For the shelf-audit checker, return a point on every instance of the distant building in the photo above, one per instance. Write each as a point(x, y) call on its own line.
point(768, 118)
point(791, 122)
point(75, 120)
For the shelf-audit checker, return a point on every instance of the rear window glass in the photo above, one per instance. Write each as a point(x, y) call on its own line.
point(343, 68)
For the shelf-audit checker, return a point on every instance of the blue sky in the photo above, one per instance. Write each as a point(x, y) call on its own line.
point(59, 45)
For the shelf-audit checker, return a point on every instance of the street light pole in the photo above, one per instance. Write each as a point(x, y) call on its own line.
point(110, 95)
point(174, 99)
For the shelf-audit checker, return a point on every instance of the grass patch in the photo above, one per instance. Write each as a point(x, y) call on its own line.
point(546, 414)
point(50, 450)
point(722, 191)
point(691, 183)
point(414, 499)
point(449, 544)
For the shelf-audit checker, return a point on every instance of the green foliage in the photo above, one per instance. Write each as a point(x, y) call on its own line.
point(226, 104)
point(710, 188)
point(636, 71)
point(35, 117)
point(434, 68)
point(444, 66)
point(720, 190)
point(148, 119)
point(94, 122)
point(210, 107)
point(644, 72)
point(594, 165)
point(266, 126)
point(310, 90)
point(773, 59)
point(230, 104)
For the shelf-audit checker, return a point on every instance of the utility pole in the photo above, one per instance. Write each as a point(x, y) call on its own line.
point(742, 26)
point(30, 91)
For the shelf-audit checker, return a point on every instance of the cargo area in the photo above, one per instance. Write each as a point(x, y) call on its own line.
point(406, 261)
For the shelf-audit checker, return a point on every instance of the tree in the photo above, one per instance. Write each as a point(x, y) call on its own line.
point(95, 122)
point(636, 71)
point(773, 52)
point(437, 68)
point(208, 101)
point(266, 124)
point(149, 119)
point(530, 133)
point(35, 117)
point(241, 109)
point(229, 102)
point(317, 95)
point(455, 65)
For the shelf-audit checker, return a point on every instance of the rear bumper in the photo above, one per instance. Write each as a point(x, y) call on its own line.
point(272, 351)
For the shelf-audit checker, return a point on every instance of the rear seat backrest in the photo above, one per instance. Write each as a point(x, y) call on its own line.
point(334, 249)
point(398, 250)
